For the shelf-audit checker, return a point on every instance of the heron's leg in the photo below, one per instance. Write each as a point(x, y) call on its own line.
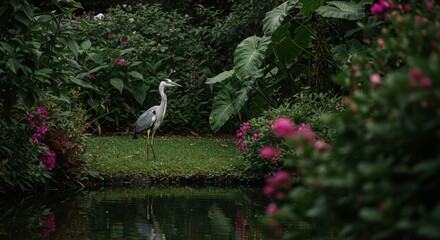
point(152, 147)
point(148, 143)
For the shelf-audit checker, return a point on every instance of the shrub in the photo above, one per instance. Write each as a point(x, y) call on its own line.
point(125, 54)
point(301, 108)
point(379, 181)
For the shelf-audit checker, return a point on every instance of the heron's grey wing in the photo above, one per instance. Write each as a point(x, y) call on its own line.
point(146, 120)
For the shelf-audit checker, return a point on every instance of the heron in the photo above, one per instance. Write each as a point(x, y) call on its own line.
point(151, 119)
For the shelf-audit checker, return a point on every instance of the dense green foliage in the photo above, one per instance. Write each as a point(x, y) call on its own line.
point(379, 179)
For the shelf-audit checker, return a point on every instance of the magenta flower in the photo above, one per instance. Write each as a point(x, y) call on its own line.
point(278, 184)
point(123, 42)
point(271, 209)
point(305, 131)
point(375, 79)
point(284, 128)
point(270, 152)
point(381, 8)
point(90, 76)
point(41, 110)
point(110, 35)
point(322, 146)
point(255, 137)
point(423, 80)
point(122, 62)
point(430, 5)
point(47, 158)
point(380, 42)
point(338, 106)
point(48, 226)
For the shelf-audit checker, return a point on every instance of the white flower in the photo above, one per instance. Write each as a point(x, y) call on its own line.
point(100, 16)
point(130, 20)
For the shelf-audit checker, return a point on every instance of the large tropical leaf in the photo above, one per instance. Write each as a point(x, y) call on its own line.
point(342, 10)
point(220, 77)
point(249, 56)
point(309, 7)
point(275, 17)
point(227, 103)
point(342, 53)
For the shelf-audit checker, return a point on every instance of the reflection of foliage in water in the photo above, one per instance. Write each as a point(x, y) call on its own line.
point(174, 213)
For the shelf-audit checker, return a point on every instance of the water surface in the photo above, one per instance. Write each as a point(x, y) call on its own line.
point(147, 213)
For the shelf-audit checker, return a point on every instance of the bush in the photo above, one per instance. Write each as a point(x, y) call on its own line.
point(307, 108)
point(379, 180)
point(126, 54)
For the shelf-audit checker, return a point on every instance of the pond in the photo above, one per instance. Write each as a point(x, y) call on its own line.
point(144, 213)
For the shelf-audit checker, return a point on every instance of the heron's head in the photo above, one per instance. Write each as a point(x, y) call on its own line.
point(167, 82)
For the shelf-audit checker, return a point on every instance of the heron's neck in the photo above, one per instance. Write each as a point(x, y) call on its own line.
point(163, 102)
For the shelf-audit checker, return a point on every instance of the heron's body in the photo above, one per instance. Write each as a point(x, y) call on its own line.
point(151, 119)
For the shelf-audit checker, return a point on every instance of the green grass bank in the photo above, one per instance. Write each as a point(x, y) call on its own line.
point(180, 161)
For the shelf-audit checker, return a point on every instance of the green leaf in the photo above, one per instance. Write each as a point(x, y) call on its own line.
point(342, 10)
point(43, 18)
point(81, 82)
point(95, 57)
point(136, 74)
point(249, 56)
point(97, 69)
point(7, 47)
point(227, 103)
point(86, 44)
point(117, 83)
point(139, 94)
point(309, 7)
point(220, 77)
point(73, 46)
point(343, 53)
point(22, 18)
point(275, 17)
point(370, 215)
point(13, 64)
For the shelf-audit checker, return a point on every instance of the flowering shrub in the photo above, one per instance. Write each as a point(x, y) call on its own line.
point(37, 122)
point(257, 140)
point(377, 179)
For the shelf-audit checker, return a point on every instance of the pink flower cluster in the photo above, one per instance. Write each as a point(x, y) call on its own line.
point(37, 122)
point(285, 128)
point(241, 135)
point(48, 226)
point(47, 158)
point(278, 185)
point(415, 75)
point(122, 62)
point(384, 8)
point(271, 153)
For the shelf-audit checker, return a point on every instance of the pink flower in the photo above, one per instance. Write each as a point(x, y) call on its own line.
point(355, 70)
point(271, 209)
point(48, 226)
point(110, 35)
point(430, 5)
point(123, 42)
point(255, 137)
point(122, 62)
point(90, 76)
point(322, 146)
point(270, 152)
point(41, 110)
point(284, 128)
point(380, 42)
point(423, 80)
point(305, 131)
point(381, 8)
point(278, 184)
point(124, 5)
point(338, 106)
point(375, 79)
point(47, 158)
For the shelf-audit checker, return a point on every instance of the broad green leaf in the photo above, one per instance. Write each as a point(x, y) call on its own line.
point(220, 77)
point(95, 57)
point(275, 17)
point(22, 18)
point(227, 103)
point(136, 74)
point(7, 47)
point(73, 46)
point(117, 83)
point(43, 18)
point(139, 94)
point(86, 44)
point(13, 64)
point(370, 215)
point(81, 82)
point(249, 56)
point(309, 7)
point(96, 69)
point(342, 53)
point(342, 10)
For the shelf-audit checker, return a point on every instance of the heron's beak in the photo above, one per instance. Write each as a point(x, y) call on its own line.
point(177, 85)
